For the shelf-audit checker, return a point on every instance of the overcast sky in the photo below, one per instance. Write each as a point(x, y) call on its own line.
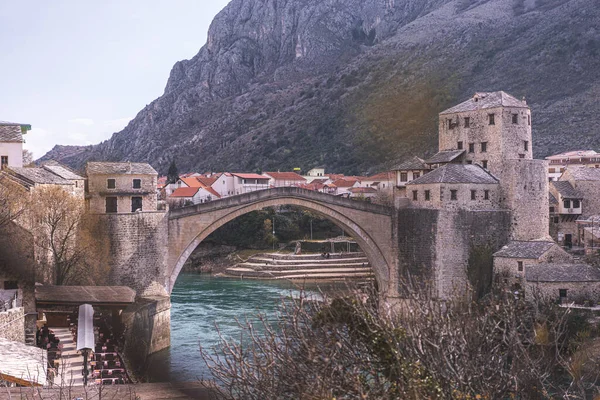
point(77, 71)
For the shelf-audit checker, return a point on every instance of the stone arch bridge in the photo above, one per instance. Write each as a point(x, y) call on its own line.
point(373, 227)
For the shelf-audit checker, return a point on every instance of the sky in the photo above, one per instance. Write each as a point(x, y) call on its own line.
point(78, 71)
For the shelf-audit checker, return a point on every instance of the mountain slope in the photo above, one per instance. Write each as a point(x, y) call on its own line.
point(356, 85)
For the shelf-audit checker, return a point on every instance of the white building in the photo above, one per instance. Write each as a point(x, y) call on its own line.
point(283, 179)
point(11, 143)
point(559, 162)
point(244, 182)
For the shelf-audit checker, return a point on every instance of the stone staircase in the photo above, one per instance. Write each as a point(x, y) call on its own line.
point(306, 267)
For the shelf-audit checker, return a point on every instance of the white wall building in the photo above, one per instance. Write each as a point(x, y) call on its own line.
point(11, 143)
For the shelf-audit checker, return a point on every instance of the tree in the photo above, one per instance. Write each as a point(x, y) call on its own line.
point(13, 199)
point(57, 224)
point(173, 173)
point(27, 158)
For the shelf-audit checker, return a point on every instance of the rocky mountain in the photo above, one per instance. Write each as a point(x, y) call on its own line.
point(356, 85)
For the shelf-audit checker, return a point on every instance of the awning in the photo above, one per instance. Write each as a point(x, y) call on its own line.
point(120, 296)
point(22, 364)
point(85, 327)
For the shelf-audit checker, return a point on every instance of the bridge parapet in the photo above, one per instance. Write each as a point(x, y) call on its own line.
point(269, 194)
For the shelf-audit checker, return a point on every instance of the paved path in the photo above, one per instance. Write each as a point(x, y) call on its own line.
point(69, 372)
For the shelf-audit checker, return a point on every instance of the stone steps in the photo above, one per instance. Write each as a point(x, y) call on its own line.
point(281, 256)
point(270, 267)
point(265, 260)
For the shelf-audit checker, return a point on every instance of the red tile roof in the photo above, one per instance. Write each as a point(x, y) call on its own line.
point(249, 176)
point(206, 181)
point(212, 191)
point(344, 183)
point(382, 176)
point(185, 192)
point(362, 190)
point(191, 182)
point(285, 176)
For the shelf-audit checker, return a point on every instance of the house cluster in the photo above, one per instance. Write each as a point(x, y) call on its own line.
point(195, 188)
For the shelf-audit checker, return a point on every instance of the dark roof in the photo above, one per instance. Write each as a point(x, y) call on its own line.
point(551, 199)
point(456, 173)
point(562, 273)
point(114, 168)
point(445, 156)
point(38, 175)
point(580, 173)
point(483, 100)
point(62, 171)
point(566, 190)
point(414, 163)
point(11, 133)
point(525, 249)
point(94, 295)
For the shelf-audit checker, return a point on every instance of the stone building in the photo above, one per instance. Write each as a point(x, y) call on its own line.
point(410, 170)
point(564, 212)
point(11, 143)
point(566, 283)
point(510, 262)
point(558, 163)
point(121, 187)
point(455, 186)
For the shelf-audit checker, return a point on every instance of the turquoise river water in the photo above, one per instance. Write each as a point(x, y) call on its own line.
point(198, 303)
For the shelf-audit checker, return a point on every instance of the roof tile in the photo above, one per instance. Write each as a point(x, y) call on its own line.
point(456, 173)
point(484, 100)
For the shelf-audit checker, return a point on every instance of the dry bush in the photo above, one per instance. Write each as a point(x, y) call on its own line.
point(346, 348)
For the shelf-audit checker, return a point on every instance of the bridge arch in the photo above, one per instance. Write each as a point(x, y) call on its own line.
point(369, 224)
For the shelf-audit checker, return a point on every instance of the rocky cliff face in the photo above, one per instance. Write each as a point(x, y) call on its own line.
point(356, 85)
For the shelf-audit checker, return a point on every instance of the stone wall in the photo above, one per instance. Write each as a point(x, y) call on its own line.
point(147, 328)
point(508, 268)
point(137, 250)
point(525, 193)
point(98, 191)
point(12, 324)
point(550, 290)
point(436, 246)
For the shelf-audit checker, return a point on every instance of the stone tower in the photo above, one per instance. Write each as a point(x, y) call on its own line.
point(494, 130)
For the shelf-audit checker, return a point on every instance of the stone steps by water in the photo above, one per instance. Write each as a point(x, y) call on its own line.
point(312, 267)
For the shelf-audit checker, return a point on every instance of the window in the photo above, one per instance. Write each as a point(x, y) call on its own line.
point(473, 194)
point(136, 203)
point(403, 177)
point(415, 195)
point(471, 147)
point(515, 118)
point(4, 162)
point(520, 266)
point(529, 120)
point(460, 145)
point(453, 195)
point(551, 209)
point(484, 164)
point(111, 183)
point(416, 175)
point(491, 119)
point(576, 204)
point(467, 122)
point(521, 155)
point(111, 204)
point(562, 293)
point(552, 170)
point(137, 183)
point(427, 195)
point(486, 194)
point(450, 124)
point(526, 145)
point(483, 147)
point(567, 203)
point(556, 220)
point(9, 285)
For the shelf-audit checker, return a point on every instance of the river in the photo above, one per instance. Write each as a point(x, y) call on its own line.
point(198, 303)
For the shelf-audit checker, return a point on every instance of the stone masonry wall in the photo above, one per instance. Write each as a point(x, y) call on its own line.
point(12, 325)
point(575, 290)
point(441, 196)
point(525, 193)
point(138, 249)
point(98, 191)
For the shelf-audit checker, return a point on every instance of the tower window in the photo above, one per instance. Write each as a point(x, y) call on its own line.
point(491, 119)
point(486, 194)
point(467, 122)
point(453, 195)
point(471, 147)
point(473, 194)
point(526, 145)
point(4, 162)
point(111, 183)
point(427, 195)
point(460, 145)
point(137, 183)
point(136, 203)
point(415, 195)
point(520, 266)
point(403, 177)
point(111, 204)
point(515, 118)
point(484, 164)
point(529, 120)
point(483, 147)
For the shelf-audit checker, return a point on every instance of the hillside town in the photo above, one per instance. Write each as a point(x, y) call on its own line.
point(546, 213)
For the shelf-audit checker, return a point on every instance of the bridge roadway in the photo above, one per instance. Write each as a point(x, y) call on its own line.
point(373, 226)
